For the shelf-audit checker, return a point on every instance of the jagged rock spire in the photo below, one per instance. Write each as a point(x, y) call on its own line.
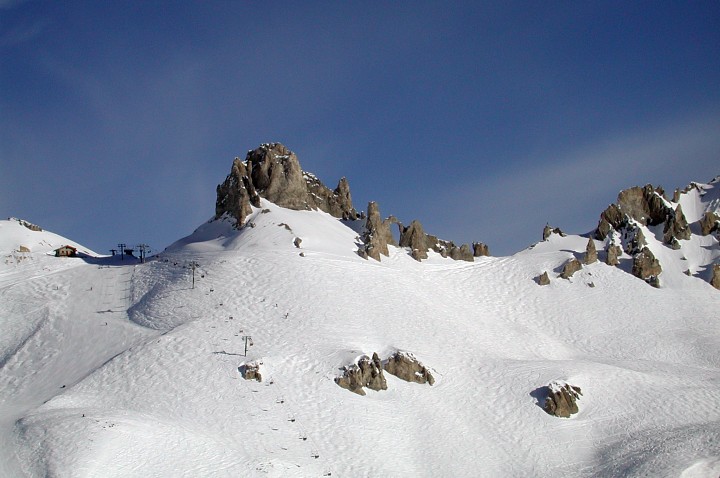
point(273, 172)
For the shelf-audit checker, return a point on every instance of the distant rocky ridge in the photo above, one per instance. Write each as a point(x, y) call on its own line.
point(273, 172)
point(638, 206)
point(621, 227)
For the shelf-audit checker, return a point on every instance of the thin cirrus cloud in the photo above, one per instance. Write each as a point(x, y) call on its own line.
point(571, 189)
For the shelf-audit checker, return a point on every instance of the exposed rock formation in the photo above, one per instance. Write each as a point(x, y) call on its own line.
point(645, 205)
point(29, 225)
point(366, 373)
point(273, 172)
point(715, 280)
point(613, 255)
point(647, 267)
point(571, 266)
point(709, 223)
point(561, 400)
point(404, 365)
point(634, 240)
point(375, 236)
point(414, 237)
point(548, 231)
point(480, 249)
point(591, 255)
point(462, 253)
point(676, 228)
point(251, 371)
point(543, 279)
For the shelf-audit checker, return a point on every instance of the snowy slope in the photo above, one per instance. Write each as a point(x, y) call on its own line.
point(157, 392)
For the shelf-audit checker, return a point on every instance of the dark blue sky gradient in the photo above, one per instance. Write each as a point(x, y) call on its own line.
point(482, 120)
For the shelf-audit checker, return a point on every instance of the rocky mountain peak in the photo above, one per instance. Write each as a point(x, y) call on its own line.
point(273, 172)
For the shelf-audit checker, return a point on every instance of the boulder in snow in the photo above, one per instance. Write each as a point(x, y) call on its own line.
point(251, 371)
point(571, 266)
point(561, 399)
point(404, 365)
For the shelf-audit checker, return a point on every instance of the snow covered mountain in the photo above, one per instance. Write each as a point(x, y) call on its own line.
point(117, 368)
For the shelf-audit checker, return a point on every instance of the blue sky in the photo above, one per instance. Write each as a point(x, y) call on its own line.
point(484, 120)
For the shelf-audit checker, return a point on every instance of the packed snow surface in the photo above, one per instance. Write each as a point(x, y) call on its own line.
point(120, 369)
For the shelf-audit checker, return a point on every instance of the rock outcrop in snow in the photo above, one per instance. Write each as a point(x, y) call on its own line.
point(415, 238)
point(251, 371)
point(273, 172)
point(571, 267)
point(647, 267)
point(591, 255)
point(561, 400)
point(376, 235)
point(367, 372)
point(404, 365)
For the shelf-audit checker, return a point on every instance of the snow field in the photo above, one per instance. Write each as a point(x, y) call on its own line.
point(173, 403)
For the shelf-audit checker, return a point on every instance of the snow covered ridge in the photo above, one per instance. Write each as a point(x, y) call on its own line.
point(222, 356)
point(656, 239)
point(18, 238)
point(273, 172)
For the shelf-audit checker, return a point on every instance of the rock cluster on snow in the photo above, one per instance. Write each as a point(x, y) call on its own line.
point(561, 400)
point(367, 372)
point(404, 365)
point(377, 236)
point(549, 231)
point(273, 172)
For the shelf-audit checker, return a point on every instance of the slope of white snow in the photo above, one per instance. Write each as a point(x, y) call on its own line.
point(158, 392)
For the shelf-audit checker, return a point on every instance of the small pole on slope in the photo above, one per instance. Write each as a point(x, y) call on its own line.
point(193, 265)
point(247, 340)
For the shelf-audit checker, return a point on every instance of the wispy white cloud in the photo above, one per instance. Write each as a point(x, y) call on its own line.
point(570, 189)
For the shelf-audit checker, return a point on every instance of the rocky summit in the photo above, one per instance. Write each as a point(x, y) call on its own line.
point(273, 172)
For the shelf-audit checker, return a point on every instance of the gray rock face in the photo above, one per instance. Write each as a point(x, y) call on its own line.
point(404, 365)
point(715, 280)
point(676, 227)
point(645, 205)
point(571, 267)
point(562, 399)
point(234, 195)
point(273, 172)
point(613, 255)
point(414, 237)
point(277, 176)
point(549, 230)
point(366, 373)
point(647, 267)
point(634, 240)
point(375, 235)
point(709, 223)
point(462, 253)
point(591, 255)
point(543, 279)
point(480, 249)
